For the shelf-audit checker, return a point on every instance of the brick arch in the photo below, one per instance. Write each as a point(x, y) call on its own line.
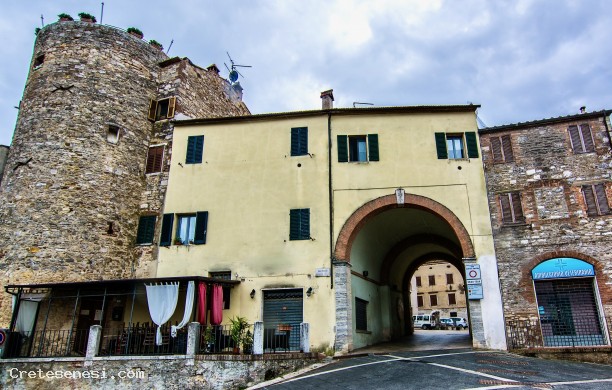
point(526, 282)
point(365, 213)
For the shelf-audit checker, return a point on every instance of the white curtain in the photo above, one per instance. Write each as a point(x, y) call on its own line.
point(162, 300)
point(26, 316)
point(188, 309)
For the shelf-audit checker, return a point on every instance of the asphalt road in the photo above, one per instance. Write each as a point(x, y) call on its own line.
point(450, 369)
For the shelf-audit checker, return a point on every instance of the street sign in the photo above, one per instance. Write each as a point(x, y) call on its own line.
point(475, 291)
point(472, 271)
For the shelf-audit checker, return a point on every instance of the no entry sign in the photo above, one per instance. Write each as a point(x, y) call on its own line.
point(472, 271)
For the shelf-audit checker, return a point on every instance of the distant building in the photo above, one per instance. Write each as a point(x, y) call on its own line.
point(439, 286)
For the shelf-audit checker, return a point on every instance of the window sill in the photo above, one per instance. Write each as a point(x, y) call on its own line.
point(517, 224)
point(459, 159)
point(145, 244)
point(363, 331)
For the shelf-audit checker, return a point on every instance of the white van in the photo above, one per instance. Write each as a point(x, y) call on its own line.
point(422, 321)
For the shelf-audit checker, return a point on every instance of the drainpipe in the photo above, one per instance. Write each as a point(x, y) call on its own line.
point(331, 200)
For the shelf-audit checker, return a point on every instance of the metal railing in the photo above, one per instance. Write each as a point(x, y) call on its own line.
point(281, 338)
point(140, 340)
point(568, 332)
point(47, 343)
point(218, 339)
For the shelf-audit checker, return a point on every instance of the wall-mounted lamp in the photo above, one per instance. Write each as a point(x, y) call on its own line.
point(252, 294)
point(365, 273)
point(310, 291)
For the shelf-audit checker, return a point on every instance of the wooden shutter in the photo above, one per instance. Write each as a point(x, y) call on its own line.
point(441, 146)
point(299, 141)
point(602, 200)
point(517, 209)
point(496, 149)
point(589, 199)
point(195, 148)
point(146, 229)
point(303, 138)
point(342, 148)
point(587, 138)
point(575, 139)
point(166, 230)
point(373, 147)
point(155, 159)
point(472, 144)
point(152, 109)
point(506, 142)
point(506, 210)
point(305, 224)
point(171, 107)
point(299, 224)
point(201, 227)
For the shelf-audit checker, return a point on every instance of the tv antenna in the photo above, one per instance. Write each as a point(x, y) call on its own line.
point(233, 72)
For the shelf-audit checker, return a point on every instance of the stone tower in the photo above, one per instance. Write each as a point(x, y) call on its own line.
point(74, 183)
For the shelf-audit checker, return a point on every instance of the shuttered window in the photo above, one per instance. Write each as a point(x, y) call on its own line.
point(358, 148)
point(449, 279)
point(162, 109)
point(433, 300)
point(501, 147)
point(299, 141)
point(361, 314)
point(195, 149)
point(451, 146)
point(200, 227)
point(418, 281)
point(154, 159)
point(299, 224)
point(432, 280)
point(166, 230)
point(191, 229)
point(419, 300)
point(146, 229)
point(472, 144)
point(512, 211)
point(581, 138)
point(452, 299)
point(595, 199)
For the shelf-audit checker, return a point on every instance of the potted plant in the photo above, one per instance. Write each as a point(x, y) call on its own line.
point(247, 343)
point(237, 331)
point(178, 241)
point(65, 17)
point(135, 32)
point(85, 17)
point(209, 339)
point(156, 44)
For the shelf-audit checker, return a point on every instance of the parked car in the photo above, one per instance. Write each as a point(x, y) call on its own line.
point(459, 323)
point(446, 323)
point(422, 321)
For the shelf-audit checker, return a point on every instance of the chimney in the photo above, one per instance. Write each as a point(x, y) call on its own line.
point(327, 99)
point(582, 109)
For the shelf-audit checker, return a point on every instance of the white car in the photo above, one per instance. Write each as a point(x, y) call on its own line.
point(459, 323)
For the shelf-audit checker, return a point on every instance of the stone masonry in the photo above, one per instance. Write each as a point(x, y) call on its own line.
point(548, 175)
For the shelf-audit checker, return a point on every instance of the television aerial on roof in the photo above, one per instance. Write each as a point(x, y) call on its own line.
point(233, 72)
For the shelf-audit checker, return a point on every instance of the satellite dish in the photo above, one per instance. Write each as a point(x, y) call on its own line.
point(233, 76)
point(233, 72)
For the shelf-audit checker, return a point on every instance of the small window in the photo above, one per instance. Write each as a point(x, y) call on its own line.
point(146, 229)
point(581, 138)
point(224, 275)
point(155, 159)
point(162, 109)
point(433, 300)
point(112, 134)
point(299, 224)
point(195, 149)
point(449, 279)
point(454, 145)
point(185, 231)
point(299, 141)
point(451, 299)
point(361, 314)
point(511, 209)
point(596, 199)
point(39, 61)
point(501, 147)
point(419, 300)
point(432, 280)
point(418, 281)
point(358, 148)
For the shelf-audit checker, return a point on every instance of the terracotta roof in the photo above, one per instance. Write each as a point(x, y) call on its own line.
point(540, 122)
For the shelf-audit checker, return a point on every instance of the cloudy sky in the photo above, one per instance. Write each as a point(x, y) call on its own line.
point(520, 59)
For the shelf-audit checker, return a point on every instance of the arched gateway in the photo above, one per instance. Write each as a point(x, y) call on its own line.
point(378, 249)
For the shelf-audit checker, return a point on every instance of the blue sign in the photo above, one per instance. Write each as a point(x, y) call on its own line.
point(562, 267)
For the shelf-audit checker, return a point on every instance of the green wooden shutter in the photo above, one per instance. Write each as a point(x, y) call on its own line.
point(146, 229)
point(342, 148)
point(166, 230)
point(303, 137)
point(472, 144)
point(195, 149)
point(295, 141)
point(441, 146)
point(201, 227)
point(373, 147)
point(305, 224)
point(294, 224)
point(299, 141)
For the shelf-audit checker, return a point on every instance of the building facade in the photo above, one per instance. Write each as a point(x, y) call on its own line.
point(439, 286)
point(549, 195)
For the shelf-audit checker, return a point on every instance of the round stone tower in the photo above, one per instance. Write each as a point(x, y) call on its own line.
point(69, 199)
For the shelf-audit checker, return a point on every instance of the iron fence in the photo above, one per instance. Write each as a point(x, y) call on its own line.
point(218, 339)
point(47, 343)
point(281, 338)
point(558, 332)
point(141, 340)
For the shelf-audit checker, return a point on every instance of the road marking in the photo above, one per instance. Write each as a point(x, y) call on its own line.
point(510, 385)
point(582, 381)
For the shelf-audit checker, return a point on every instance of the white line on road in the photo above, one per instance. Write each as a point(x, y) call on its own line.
point(510, 385)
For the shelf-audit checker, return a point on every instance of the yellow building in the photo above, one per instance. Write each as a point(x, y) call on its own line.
point(323, 216)
point(438, 285)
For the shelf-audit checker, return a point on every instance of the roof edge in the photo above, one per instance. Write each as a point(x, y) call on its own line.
point(539, 122)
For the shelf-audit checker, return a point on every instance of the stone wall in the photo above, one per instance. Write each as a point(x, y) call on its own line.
point(549, 175)
point(4, 150)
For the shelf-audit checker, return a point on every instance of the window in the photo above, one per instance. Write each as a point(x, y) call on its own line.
point(451, 299)
point(581, 138)
point(449, 278)
point(155, 159)
point(511, 209)
point(433, 300)
point(162, 109)
point(595, 199)
point(299, 224)
point(432, 280)
point(146, 229)
point(361, 314)
point(419, 300)
point(451, 146)
point(191, 228)
point(418, 281)
point(501, 147)
point(112, 134)
point(38, 61)
point(195, 149)
point(358, 148)
point(223, 275)
point(299, 141)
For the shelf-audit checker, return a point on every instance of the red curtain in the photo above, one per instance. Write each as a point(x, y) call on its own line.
point(216, 310)
point(202, 303)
